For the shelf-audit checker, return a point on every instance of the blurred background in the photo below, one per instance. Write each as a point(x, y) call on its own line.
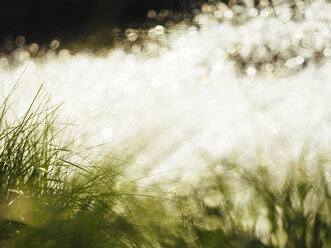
point(41, 21)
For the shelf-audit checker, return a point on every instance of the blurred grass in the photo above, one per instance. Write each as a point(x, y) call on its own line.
point(53, 196)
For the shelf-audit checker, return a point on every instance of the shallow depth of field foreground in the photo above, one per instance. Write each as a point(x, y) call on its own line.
point(211, 129)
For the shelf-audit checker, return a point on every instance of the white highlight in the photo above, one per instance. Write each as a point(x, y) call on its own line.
point(189, 97)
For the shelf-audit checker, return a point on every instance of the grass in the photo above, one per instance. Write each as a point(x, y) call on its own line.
point(51, 195)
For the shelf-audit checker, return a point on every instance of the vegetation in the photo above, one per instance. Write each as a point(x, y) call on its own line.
point(52, 195)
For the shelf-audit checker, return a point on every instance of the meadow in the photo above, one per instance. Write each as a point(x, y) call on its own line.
point(212, 132)
point(53, 195)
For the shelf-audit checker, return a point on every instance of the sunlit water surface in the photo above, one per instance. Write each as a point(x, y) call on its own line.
point(190, 99)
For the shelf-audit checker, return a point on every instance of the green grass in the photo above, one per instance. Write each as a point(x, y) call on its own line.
point(53, 194)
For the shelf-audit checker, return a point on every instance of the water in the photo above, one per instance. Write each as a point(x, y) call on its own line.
point(217, 89)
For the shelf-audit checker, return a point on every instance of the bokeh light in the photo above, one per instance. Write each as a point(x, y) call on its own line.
point(222, 78)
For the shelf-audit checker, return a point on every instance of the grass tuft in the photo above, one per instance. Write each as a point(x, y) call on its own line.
point(49, 198)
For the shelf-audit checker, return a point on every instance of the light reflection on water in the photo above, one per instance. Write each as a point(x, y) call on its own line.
point(190, 98)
